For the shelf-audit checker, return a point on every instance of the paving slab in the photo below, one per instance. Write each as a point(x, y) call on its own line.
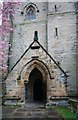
point(29, 111)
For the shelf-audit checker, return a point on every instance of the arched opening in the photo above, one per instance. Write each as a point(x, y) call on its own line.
point(35, 35)
point(36, 87)
point(30, 12)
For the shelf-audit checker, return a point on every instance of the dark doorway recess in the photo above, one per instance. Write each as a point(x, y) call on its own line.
point(36, 86)
point(38, 90)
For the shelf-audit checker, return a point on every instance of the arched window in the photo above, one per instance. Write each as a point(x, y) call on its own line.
point(30, 12)
point(35, 35)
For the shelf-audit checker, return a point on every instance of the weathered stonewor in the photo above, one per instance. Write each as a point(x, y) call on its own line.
point(43, 65)
point(27, 71)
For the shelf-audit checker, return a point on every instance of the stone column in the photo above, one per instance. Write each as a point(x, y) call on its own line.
point(26, 90)
point(48, 89)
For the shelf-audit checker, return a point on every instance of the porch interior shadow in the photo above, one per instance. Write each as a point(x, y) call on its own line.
point(36, 86)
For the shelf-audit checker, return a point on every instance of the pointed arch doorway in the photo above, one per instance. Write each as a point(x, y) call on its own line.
point(36, 88)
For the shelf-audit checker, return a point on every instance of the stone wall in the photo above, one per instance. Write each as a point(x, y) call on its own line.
point(48, 69)
point(76, 9)
point(61, 46)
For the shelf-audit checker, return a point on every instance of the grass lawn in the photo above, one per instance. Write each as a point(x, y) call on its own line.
point(66, 113)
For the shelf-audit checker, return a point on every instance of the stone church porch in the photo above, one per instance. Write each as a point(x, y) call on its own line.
point(36, 79)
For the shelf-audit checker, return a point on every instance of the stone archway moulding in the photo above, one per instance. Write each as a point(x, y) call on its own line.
point(26, 70)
